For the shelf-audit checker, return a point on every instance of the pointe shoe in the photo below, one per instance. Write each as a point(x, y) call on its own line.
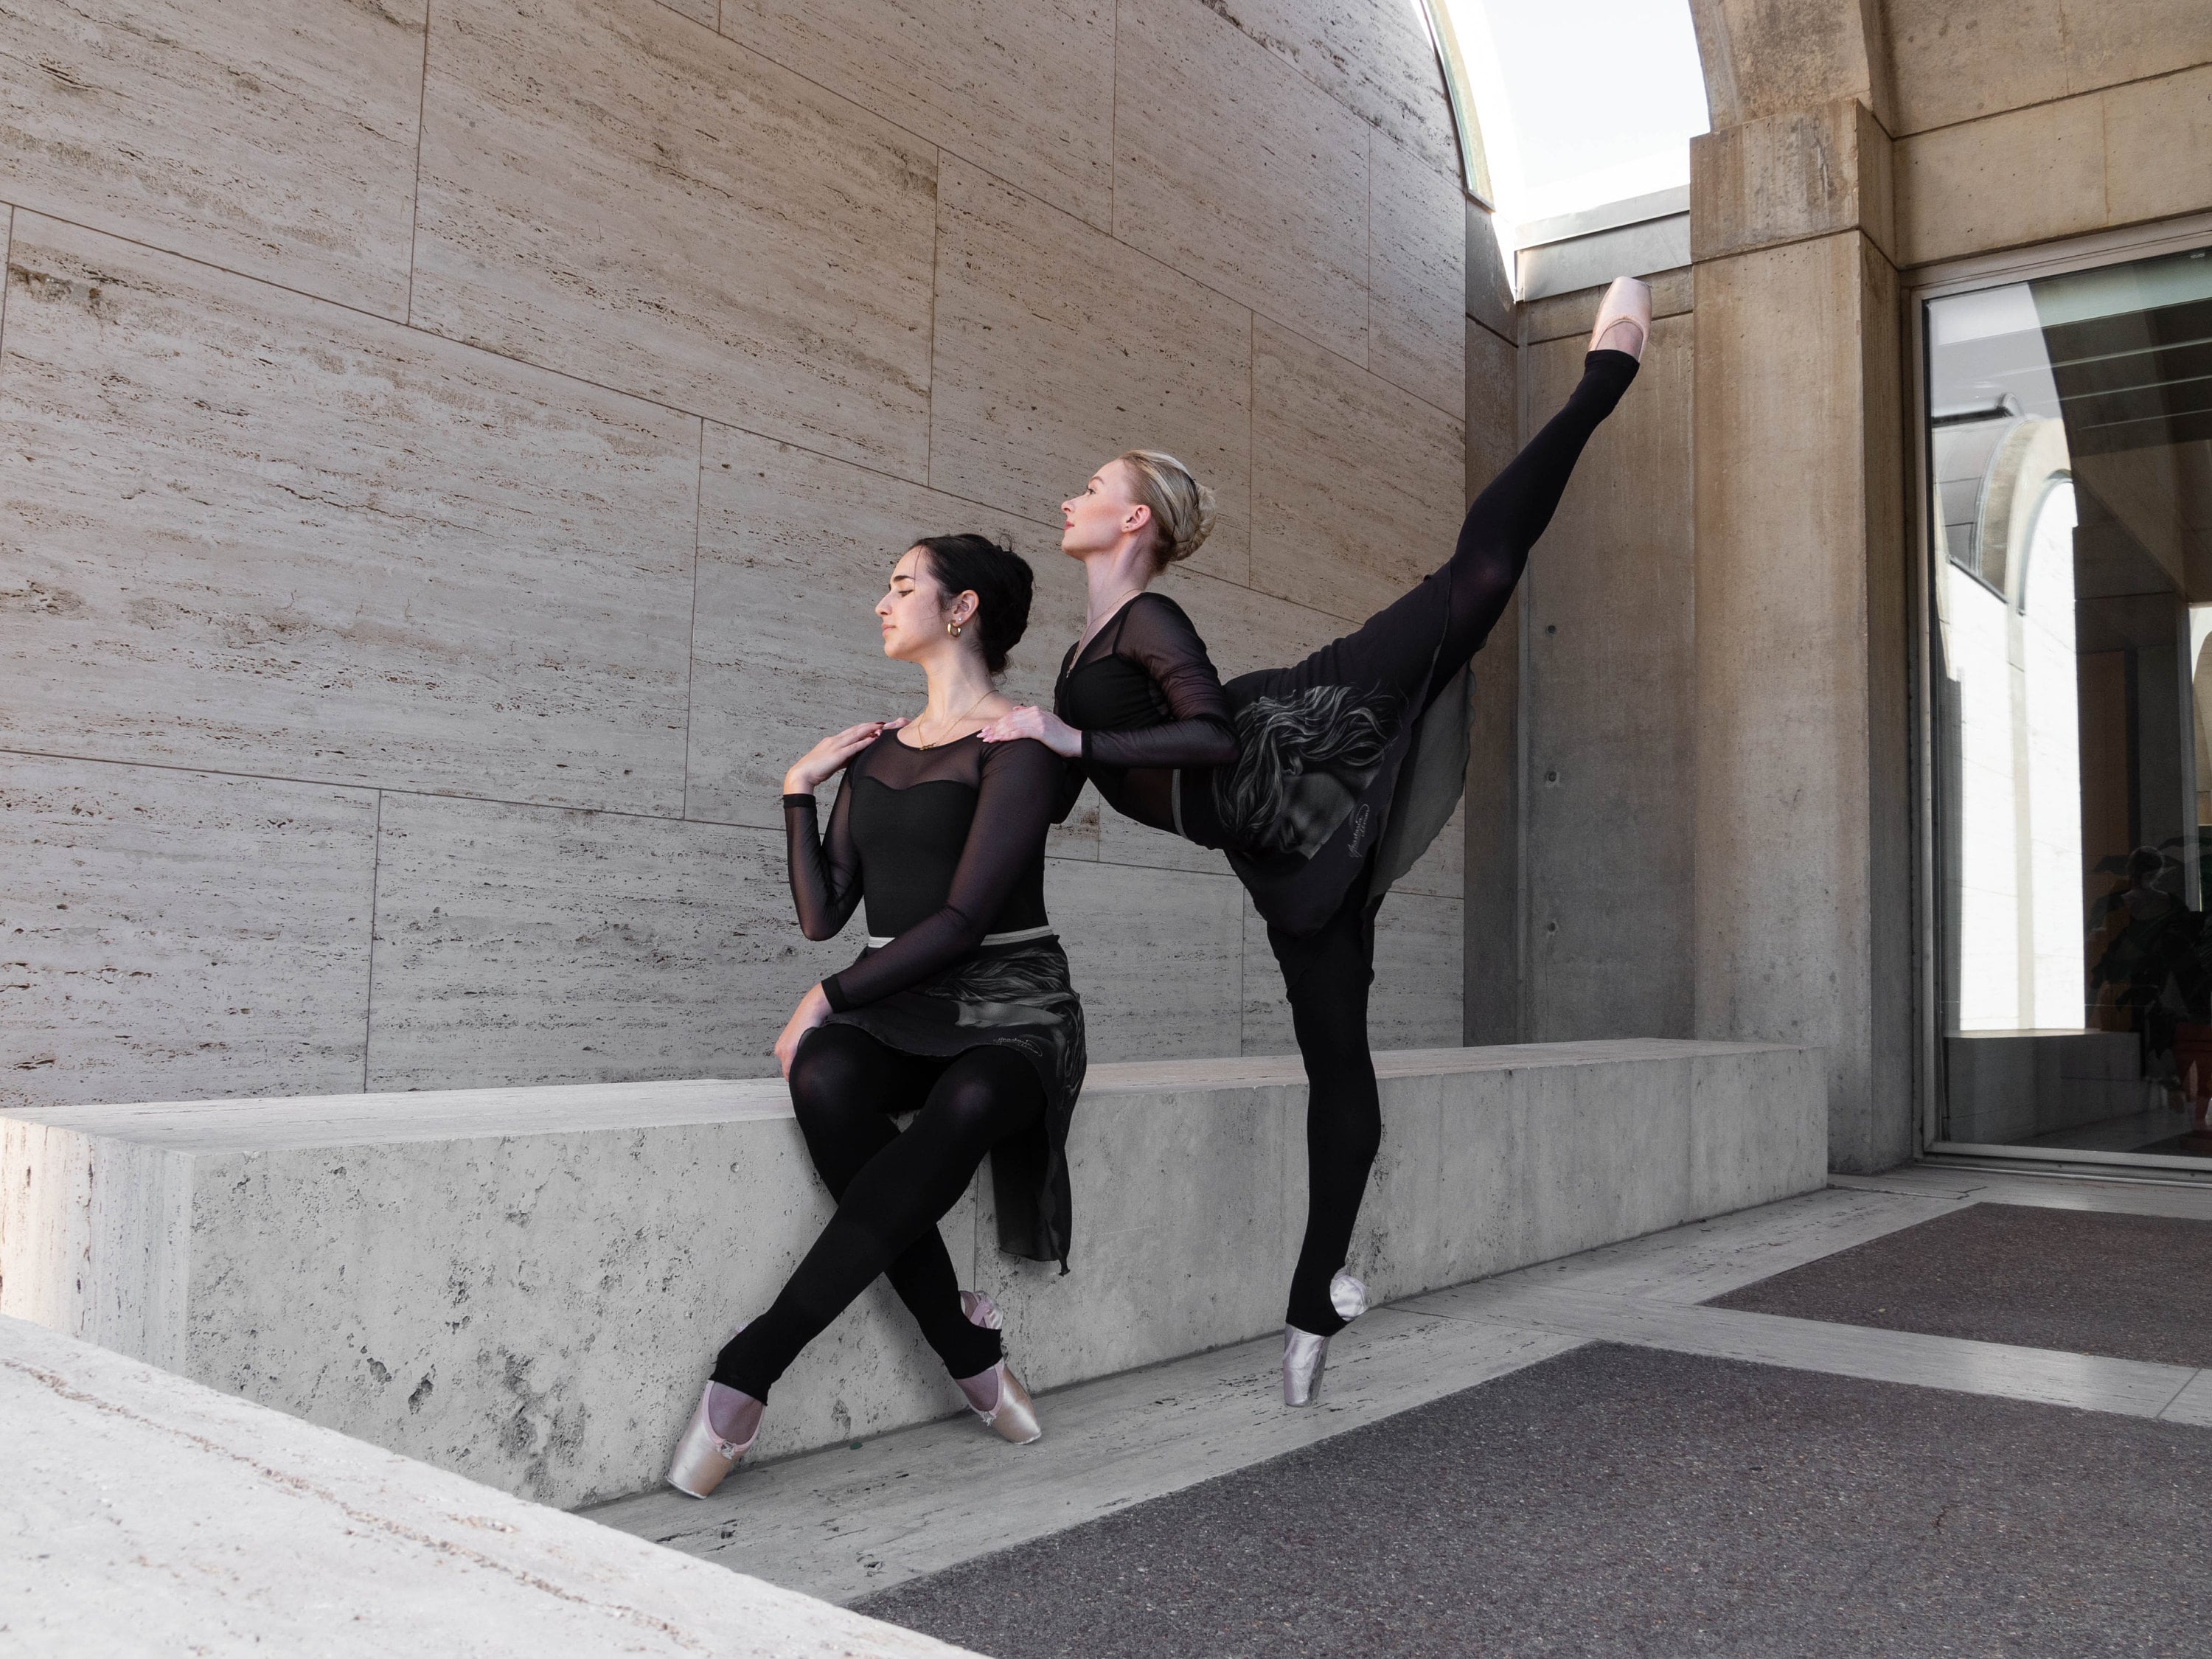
point(1304, 1354)
point(1013, 1416)
point(702, 1458)
point(1624, 317)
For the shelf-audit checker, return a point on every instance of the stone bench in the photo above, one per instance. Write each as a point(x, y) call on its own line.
point(526, 1285)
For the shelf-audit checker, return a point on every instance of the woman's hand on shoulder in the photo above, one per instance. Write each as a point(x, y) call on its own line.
point(829, 756)
point(1040, 723)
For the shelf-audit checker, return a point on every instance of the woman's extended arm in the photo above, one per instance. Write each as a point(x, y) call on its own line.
point(1158, 636)
point(1014, 804)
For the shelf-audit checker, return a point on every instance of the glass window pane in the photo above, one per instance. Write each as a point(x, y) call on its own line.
point(2070, 465)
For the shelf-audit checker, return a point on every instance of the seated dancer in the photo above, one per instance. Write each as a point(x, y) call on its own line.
point(959, 1011)
point(1323, 782)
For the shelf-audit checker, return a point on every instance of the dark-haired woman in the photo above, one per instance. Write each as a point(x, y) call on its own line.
point(1323, 782)
point(959, 1011)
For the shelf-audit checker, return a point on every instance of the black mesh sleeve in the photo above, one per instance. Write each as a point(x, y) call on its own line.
point(1157, 635)
point(825, 870)
point(1015, 799)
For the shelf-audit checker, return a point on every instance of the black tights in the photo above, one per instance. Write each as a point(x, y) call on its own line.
point(892, 1187)
point(1516, 507)
point(1327, 972)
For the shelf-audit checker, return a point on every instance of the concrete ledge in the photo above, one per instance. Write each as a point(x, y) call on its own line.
point(527, 1284)
point(150, 1515)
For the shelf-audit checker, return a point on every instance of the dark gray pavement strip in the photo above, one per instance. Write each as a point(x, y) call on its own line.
point(2132, 1286)
point(1624, 1501)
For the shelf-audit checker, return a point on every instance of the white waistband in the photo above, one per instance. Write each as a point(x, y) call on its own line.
point(1021, 936)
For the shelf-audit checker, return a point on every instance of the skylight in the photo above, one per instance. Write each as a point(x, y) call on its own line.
point(1579, 103)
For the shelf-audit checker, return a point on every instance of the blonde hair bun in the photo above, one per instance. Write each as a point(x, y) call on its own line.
point(1182, 508)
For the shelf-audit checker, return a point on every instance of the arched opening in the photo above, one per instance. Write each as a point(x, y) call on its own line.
point(1575, 119)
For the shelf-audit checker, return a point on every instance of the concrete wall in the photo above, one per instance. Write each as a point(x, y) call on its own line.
point(1693, 769)
point(450, 453)
point(1579, 832)
point(1853, 143)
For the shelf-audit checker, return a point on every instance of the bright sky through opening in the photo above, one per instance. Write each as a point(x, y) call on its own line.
point(1581, 102)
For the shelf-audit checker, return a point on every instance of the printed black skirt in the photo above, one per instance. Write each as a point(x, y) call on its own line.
point(1346, 768)
point(1016, 996)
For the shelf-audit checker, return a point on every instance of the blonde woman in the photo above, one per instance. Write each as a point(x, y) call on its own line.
point(1323, 782)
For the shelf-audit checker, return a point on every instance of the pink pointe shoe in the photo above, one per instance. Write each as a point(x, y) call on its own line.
point(1011, 1415)
point(1624, 317)
point(702, 1457)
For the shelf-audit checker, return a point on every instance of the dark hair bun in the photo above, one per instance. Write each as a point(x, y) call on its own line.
point(999, 578)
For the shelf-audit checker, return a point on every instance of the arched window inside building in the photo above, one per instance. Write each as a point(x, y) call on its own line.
point(1576, 118)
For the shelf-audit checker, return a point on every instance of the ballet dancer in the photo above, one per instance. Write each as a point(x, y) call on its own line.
point(1323, 782)
point(959, 1011)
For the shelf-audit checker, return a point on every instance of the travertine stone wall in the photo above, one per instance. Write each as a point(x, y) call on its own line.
point(450, 452)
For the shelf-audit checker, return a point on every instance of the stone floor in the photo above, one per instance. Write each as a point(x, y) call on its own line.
point(144, 1514)
point(896, 1521)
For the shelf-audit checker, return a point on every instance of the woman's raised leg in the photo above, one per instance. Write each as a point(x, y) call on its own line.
point(1517, 506)
point(1397, 649)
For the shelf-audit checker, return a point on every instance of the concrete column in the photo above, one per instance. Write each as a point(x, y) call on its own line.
point(1802, 867)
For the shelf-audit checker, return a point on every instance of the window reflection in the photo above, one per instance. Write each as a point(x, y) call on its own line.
point(2069, 463)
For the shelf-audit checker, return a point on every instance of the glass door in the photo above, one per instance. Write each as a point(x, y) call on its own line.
point(2068, 465)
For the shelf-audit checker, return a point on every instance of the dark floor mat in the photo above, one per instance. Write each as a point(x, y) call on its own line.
point(1620, 1501)
point(2133, 1286)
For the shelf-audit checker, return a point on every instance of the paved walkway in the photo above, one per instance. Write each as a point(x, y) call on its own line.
point(849, 1524)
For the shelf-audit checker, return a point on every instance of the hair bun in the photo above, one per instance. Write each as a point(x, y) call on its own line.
point(1182, 508)
point(999, 578)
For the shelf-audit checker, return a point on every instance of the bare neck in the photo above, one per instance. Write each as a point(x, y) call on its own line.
point(1113, 577)
point(960, 692)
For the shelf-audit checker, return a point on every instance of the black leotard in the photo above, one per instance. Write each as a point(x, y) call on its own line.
point(1146, 697)
point(980, 1041)
point(946, 844)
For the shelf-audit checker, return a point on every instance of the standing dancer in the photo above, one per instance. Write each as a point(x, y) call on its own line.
point(1323, 782)
point(959, 1010)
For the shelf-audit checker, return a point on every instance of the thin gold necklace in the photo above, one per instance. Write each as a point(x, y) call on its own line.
point(955, 720)
point(1112, 611)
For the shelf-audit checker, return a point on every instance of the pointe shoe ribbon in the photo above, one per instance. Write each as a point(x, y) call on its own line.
point(978, 1309)
point(1348, 1296)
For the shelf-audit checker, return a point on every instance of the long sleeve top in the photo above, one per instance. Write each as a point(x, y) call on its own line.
point(945, 845)
point(1148, 700)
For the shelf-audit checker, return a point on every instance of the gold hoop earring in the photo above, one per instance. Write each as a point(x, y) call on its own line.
point(953, 629)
